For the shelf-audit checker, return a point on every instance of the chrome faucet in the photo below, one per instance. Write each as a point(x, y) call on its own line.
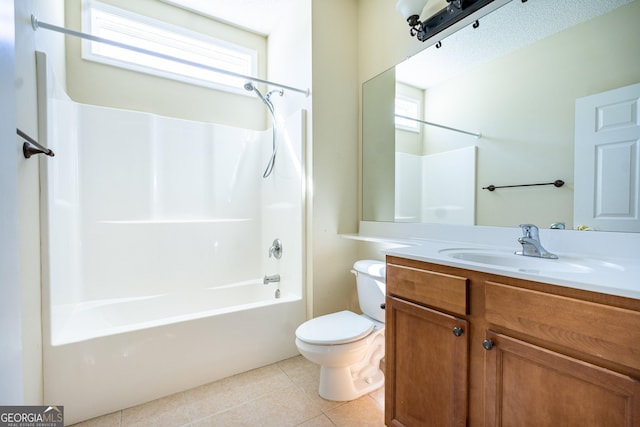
point(531, 245)
point(271, 279)
point(276, 249)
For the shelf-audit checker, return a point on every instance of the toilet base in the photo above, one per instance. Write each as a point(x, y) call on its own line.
point(339, 384)
point(350, 382)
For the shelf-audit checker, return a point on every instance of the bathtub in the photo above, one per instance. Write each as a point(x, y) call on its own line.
point(152, 264)
point(73, 323)
point(112, 354)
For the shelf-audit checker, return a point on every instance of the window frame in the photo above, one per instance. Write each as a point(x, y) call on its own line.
point(202, 50)
point(404, 124)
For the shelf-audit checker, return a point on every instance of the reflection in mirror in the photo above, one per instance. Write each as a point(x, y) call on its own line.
point(515, 80)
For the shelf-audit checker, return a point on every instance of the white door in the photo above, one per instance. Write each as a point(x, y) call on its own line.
point(607, 160)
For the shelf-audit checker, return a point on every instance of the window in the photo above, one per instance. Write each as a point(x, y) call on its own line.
point(408, 107)
point(142, 32)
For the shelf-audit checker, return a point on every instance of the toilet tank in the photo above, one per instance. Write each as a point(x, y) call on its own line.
point(371, 285)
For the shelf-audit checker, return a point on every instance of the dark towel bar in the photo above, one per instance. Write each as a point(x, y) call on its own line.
point(32, 147)
point(557, 183)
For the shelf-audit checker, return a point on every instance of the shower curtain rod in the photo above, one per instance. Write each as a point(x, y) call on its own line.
point(477, 135)
point(35, 23)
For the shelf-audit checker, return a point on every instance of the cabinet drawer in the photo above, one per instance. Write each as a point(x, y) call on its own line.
point(611, 333)
point(438, 290)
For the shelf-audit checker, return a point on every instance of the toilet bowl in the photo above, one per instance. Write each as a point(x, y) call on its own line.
point(349, 346)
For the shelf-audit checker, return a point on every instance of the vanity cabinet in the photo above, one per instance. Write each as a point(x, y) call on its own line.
point(526, 354)
point(427, 350)
point(437, 361)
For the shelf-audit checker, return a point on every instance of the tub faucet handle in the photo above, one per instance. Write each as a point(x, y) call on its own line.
point(276, 249)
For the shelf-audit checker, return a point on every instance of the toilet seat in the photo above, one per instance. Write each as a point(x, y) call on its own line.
point(335, 328)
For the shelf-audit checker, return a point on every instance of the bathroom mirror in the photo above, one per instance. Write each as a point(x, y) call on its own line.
point(514, 80)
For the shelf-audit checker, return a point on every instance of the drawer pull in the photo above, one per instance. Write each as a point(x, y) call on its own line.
point(457, 331)
point(383, 305)
point(487, 344)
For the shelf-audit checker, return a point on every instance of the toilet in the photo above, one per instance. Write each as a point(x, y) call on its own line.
point(349, 346)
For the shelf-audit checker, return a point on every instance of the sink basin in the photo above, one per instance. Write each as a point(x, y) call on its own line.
point(565, 264)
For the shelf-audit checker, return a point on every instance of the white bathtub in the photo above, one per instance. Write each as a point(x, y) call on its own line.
point(98, 318)
point(117, 353)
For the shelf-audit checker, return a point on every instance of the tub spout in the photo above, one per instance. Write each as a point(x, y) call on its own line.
point(271, 279)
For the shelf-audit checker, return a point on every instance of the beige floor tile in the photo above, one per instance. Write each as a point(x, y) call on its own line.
point(299, 367)
point(378, 396)
point(279, 395)
point(286, 407)
point(109, 420)
point(363, 412)
point(227, 393)
point(263, 380)
point(211, 398)
point(321, 421)
point(170, 411)
point(239, 416)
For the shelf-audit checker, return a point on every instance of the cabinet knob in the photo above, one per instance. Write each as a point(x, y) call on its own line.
point(457, 331)
point(383, 305)
point(487, 344)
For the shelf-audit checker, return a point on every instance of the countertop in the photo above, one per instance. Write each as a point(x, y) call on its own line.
point(610, 276)
point(597, 272)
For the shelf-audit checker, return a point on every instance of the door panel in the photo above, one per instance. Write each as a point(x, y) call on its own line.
point(607, 160)
point(528, 385)
point(426, 366)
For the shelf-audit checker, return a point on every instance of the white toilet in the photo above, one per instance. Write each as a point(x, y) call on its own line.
point(349, 346)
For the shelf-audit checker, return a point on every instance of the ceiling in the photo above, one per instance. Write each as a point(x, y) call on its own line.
point(260, 16)
point(505, 30)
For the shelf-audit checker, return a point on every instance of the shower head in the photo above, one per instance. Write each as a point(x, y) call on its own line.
point(250, 87)
point(265, 98)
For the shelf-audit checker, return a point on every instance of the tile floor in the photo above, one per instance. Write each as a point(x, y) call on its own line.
point(279, 395)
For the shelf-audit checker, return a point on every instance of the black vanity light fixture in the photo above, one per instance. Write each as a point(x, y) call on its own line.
point(443, 16)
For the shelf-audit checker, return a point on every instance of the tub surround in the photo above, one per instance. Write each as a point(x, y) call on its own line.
point(611, 258)
point(155, 235)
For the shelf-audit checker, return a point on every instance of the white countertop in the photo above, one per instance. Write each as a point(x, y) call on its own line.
point(608, 264)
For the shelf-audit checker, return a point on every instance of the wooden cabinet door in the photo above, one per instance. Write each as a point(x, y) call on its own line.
point(528, 385)
point(426, 366)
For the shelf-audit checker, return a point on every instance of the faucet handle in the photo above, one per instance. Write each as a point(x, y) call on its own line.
point(529, 230)
point(276, 249)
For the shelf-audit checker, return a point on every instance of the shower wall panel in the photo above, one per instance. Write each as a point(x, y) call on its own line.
point(150, 204)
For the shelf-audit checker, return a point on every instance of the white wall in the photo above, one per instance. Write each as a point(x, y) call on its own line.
point(27, 42)
point(11, 353)
point(99, 84)
point(335, 153)
point(383, 38)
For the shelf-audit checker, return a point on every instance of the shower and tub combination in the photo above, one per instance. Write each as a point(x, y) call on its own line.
point(162, 242)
